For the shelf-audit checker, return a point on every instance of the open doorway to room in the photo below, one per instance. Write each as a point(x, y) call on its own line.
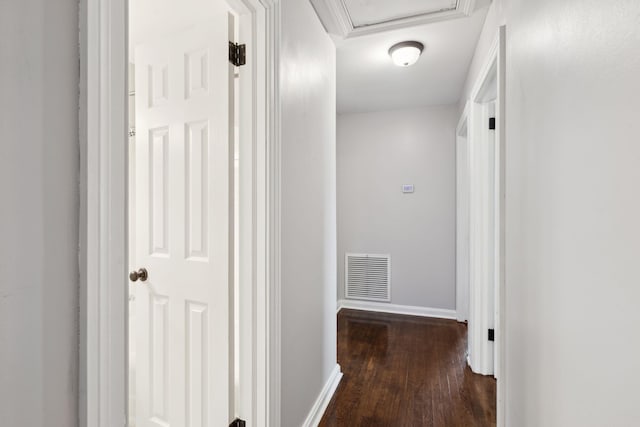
point(195, 134)
point(207, 351)
point(481, 132)
point(463, 252)
point(478, 251)
point(182, 199)
point(405, 267)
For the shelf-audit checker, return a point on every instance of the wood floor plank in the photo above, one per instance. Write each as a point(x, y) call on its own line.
point(407, 371)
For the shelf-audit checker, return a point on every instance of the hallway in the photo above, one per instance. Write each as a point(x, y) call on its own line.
point(407, 371)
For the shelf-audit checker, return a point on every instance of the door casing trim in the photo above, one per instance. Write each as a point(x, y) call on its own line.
point(103, 213)
point(494, 67)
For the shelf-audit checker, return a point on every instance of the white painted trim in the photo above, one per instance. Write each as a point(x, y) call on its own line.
point(251, 404)
point(480, 349)
point(335, 17)
point(103, 256)
point(270, 386)
point(321, 403)
point(462, 217)
point(103, 193)
point(380, 307)
point(494, 66)
point(500, 304)
point(462, 126)
point(487, 68)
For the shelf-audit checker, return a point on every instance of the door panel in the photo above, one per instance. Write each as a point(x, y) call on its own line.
point(182, 226)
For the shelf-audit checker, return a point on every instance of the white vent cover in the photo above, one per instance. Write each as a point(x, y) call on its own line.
point(368, 277)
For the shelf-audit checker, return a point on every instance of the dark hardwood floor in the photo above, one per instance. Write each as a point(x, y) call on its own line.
point(407, 371)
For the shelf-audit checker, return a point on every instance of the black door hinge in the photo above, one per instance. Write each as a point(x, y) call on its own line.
point(492, 123)
point(492, 334)
point(237, 54)
point(238, 423)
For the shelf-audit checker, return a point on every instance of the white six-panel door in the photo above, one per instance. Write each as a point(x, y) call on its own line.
point(182, 227)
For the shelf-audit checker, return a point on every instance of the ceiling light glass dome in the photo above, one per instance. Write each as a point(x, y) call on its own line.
point(406, 53)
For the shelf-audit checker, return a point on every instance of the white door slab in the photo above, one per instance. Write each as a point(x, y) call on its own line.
point(183, 226)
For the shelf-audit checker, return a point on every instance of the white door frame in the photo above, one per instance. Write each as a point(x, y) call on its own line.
point(480, 357)
point(103, 214)
point(462, 216)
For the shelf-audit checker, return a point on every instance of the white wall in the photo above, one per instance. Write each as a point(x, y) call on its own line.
point(377, 153)
point(39, 166)
point(573, 234)
point(308, 209)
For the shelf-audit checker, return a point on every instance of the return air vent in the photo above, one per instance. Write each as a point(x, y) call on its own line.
point(368, 277)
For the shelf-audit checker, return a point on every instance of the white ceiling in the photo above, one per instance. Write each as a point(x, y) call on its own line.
point(368, 80)
point(367, 12)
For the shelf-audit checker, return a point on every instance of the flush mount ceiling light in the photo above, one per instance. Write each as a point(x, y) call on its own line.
point(405, 54)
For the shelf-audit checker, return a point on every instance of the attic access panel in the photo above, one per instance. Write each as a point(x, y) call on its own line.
point(371, 12)
point(353, 18)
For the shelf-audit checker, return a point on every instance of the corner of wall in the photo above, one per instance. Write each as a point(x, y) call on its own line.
point(322, 401)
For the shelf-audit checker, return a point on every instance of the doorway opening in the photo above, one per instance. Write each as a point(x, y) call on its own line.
point(462, 219)
point(104, 161)
point(198, 195)
point(183, 324)
point(480, 257)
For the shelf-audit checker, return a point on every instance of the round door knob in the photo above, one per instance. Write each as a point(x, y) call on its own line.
point(140, 274)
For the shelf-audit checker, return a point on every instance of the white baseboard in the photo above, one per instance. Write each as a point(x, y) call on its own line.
point(321, 403)
point(382, 307)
